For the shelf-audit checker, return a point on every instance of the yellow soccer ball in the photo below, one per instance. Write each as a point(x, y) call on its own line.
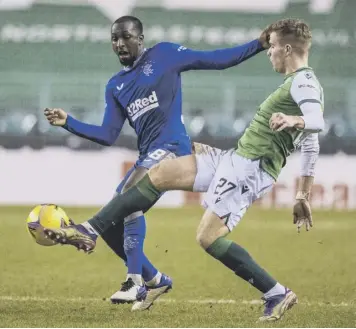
point(46, 216)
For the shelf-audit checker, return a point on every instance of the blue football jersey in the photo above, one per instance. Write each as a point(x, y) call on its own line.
point(149, 96)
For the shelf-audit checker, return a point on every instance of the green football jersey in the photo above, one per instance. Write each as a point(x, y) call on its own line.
point(273, 148)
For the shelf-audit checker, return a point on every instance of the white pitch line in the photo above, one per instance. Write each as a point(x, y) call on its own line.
point(168, 301)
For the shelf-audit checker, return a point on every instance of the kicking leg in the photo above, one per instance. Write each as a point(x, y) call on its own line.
point(172, 174)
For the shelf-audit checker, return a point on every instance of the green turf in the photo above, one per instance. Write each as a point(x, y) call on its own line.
point(60, 287)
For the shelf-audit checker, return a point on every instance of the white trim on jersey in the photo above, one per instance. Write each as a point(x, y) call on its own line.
point(308, 94)
point(313, 117)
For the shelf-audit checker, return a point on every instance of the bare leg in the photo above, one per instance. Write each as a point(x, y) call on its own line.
point(174, 174)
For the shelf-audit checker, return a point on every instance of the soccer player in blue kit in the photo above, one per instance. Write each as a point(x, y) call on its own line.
point(146, 92)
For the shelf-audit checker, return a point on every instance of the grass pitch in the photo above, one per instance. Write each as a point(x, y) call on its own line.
point(60, 287)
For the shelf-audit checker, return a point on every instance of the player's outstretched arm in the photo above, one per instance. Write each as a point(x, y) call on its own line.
point(309, 155)
point(184, 59)
point(106, 134)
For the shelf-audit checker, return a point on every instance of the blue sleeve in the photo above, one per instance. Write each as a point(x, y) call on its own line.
point(184, 59)
point(107, 133)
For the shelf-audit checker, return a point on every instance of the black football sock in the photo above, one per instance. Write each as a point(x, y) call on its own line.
point(239, 260)
point(142, 196)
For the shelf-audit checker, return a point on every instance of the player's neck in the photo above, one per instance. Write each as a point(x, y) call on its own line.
point(141, 52)
point(295, 65)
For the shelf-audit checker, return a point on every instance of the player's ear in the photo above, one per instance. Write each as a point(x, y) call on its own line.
point(288, 49)
point(141, 38)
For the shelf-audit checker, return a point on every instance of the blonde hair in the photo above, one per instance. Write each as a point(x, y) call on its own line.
point(295, 31)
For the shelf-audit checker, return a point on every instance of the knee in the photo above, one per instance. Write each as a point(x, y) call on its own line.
point(156, 174)
point(205, 239)
point(128, 185)
point(207, 235)
point(136, 175)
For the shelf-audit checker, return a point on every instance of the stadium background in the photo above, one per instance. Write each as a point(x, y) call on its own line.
point(57, 53)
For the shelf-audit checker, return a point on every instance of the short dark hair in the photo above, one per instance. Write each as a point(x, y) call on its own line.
point(133, 19)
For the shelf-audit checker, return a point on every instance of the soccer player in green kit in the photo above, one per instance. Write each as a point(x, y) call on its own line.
point(289, 118)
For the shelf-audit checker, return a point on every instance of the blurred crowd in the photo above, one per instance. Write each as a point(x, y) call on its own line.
point(23, 127)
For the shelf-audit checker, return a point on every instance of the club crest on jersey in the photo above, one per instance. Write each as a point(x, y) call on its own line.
point(147, 69)
point(308, 75)
point(142, 105)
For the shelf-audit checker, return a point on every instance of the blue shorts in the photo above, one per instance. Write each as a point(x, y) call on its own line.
point(148, 161)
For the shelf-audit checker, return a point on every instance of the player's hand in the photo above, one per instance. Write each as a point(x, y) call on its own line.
point(280, 121)
point(199, 148)
point(56, 117)
point(264, 37)
point(302, 215)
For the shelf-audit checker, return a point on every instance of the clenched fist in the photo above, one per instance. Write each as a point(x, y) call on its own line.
point(302, 215)
point(56, 117)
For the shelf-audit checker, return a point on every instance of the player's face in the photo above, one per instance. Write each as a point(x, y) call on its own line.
point(126, 42)
point(277, 53)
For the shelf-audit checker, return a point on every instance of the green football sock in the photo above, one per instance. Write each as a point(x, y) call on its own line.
point(239, 260)
point(142, 196)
